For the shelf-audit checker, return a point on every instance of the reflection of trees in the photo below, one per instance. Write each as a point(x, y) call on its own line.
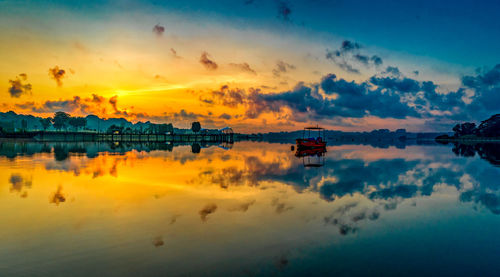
point(464, 150)
point(487, 191)
point(63, 151)
point(487, 151)
point(195, 148)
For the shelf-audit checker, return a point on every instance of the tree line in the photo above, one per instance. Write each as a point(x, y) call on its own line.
point(62, 120)
point(487, 128)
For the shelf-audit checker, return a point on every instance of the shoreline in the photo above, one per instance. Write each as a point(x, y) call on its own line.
point(478, 140)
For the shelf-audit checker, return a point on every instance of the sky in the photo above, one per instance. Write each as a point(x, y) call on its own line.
point(254, 65)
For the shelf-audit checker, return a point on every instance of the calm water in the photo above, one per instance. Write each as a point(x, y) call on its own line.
point(247, 210)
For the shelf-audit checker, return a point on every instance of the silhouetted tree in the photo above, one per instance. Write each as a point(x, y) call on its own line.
point(489, 127)
point(46, 122)
point(24, 124)
point(77, 122)
point(165, 128)
point(463, 129)
point(115, 129)
point(60, 120)
point(196, 126)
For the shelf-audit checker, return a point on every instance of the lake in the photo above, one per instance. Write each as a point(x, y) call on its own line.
point(248, 209)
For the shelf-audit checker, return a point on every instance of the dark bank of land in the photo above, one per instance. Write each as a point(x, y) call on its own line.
point(64, 127)
point(487, 131)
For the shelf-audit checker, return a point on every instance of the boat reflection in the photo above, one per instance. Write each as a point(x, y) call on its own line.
point(312, 157)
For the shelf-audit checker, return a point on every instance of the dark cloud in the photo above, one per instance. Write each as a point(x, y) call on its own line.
point(158, 30)
point(376, 60)
point(208, 63)
point(362, 59)
point(485, 79)
point(353, 99)
point(114, 102)
point(184, 115)
point(282, 67)
point(18, 86)
point(348, 46)
point(386, 95)
point(243, 67)
point(284, 10)
point(243, 207)
point(396, 84)
point(207, 210)
point(486, 87)
point(225, 116)
point(349, 55)
point(392, 70)
point(229, 97)
point(57, 74)
point(90, 105)
point(174, 53)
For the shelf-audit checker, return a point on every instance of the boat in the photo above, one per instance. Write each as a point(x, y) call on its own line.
point(311, 142)
point(310, 152)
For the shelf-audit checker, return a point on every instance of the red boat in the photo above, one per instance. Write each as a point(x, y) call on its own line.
point(310, 152)
point(311, 142)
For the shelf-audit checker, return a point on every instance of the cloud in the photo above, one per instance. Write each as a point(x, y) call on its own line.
point(243, 67)
point(207, 210)
point(18, 87)
point(284, 10)
point(485, 79)
point(57, 74)
point(158, 30)
point(208, 63)
point(225, 116)
point(184, 115)
point(392, 70)
point(386, 95)
point(114, 101)
point(485, 86)
point(376, 60)
point(229, 97)
point(282, 67)
point(349, 55)
point(243, 207)
point(174, 53)
point(95, 104)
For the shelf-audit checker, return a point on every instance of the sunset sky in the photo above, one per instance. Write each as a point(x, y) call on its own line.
point(254, 65)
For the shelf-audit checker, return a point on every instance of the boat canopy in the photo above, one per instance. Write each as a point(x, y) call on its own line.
point(314, 128)
point(226, 130)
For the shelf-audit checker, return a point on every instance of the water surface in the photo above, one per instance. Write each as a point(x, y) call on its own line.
point(247, 209)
